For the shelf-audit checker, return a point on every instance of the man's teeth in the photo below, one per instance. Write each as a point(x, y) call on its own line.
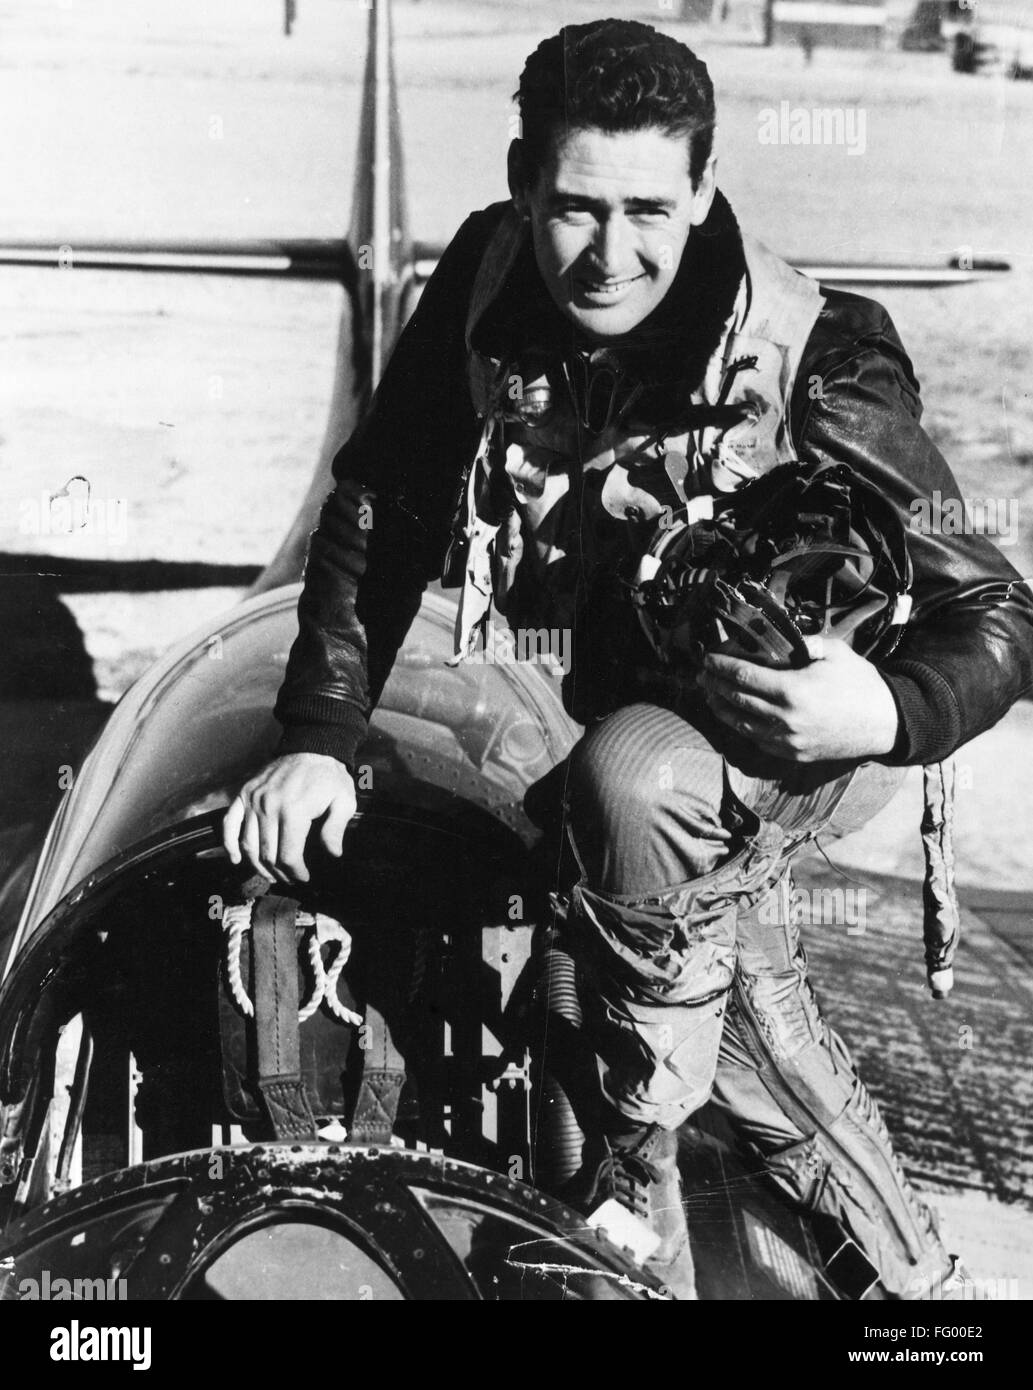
point(609, 286)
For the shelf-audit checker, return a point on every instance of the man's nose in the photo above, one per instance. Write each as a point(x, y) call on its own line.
point(612, 245)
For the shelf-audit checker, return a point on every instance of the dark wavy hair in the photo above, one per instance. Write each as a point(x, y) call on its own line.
point(615, 75)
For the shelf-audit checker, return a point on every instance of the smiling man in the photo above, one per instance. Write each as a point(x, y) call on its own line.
point(610, 215)
point(610, 374)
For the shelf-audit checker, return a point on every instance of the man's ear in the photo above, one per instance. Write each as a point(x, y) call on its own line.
point(516, 169)
point(703, 195)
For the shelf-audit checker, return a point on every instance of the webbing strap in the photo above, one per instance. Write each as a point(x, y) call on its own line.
point(275, 956)
point(383, 1077)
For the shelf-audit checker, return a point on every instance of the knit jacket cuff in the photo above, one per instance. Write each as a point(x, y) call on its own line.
point(930, 719)
point(338, 736)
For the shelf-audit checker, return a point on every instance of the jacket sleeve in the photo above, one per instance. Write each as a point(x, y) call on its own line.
point(967, 653)
point(383, 530)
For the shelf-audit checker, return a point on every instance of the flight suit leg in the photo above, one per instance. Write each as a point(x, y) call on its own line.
point(699, 987)
point(787, 1084)
point(648, 799)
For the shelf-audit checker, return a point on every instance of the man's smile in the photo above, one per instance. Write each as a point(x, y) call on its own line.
point(603, 288)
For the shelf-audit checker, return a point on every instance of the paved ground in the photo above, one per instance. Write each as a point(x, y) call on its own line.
point(954, 1077)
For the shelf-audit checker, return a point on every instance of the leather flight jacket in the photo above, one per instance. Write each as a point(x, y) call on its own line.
point(846, 393)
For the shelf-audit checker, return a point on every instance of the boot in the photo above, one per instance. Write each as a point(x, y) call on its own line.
point(637, 1169)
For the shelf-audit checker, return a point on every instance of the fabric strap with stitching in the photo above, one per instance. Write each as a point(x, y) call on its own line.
point(275, 957)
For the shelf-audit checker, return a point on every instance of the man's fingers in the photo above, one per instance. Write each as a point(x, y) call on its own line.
point(764, 733)
point(747, 676)
point(734, 717)
point(737, 699)
point(231, 823)
point(341, 811)
point(269, 844)
point(294, 830)
point(249, 843)
point(269, 820)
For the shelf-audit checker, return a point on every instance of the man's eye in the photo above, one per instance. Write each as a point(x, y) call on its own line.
point(650, 217)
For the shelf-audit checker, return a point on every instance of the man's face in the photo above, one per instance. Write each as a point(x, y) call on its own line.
point(610, 216)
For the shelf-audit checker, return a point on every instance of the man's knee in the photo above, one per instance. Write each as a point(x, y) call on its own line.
point(616, 775)
point(642, 777)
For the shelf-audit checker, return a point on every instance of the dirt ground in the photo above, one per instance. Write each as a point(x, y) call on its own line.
point(195, 407)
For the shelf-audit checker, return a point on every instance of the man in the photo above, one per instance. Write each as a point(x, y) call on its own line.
point(602, 354)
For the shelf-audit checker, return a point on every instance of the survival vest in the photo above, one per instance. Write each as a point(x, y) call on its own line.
point(743, 403)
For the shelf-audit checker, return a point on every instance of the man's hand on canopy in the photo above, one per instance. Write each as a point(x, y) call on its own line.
point(270, 817)
point(839, 706)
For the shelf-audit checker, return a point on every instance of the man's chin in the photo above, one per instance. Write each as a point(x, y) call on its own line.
point(606, 320)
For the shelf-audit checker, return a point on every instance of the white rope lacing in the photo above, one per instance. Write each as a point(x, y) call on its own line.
point(325, 931)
